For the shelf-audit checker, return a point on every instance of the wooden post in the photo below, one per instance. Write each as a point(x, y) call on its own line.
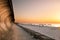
point(6, 19)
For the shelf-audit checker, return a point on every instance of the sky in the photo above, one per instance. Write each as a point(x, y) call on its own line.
point(36, 11)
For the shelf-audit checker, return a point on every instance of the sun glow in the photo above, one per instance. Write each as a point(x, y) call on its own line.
point(37, 12)
point(56, 25)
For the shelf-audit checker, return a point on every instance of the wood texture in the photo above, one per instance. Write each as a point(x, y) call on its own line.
point(6, 18)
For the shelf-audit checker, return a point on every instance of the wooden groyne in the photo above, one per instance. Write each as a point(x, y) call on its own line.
point(6, 19)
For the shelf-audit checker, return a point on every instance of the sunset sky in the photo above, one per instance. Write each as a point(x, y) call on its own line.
point(37, 11)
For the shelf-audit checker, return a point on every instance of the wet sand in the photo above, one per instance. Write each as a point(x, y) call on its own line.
point(20, 34)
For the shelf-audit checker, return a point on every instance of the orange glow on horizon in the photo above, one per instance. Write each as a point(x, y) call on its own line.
point(37, 11)
point(30, 20)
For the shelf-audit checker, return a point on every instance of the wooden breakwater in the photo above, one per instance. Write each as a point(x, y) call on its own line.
point(6, 19)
